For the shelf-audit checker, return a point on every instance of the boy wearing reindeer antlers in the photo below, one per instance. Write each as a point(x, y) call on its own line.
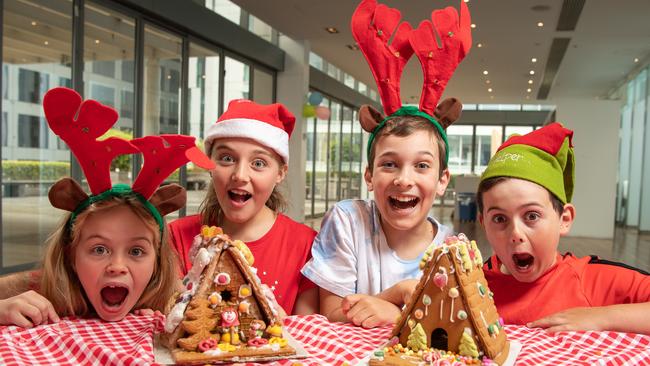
point(366, 256)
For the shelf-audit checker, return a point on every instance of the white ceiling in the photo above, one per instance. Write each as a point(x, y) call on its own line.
point(608, 37)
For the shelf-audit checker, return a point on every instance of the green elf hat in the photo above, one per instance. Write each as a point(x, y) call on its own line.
point(544, 156)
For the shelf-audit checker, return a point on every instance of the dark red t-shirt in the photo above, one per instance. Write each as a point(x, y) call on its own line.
point(571, 282)
point(279, 255)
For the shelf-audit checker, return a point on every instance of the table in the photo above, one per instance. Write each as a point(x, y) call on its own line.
point(76, 341)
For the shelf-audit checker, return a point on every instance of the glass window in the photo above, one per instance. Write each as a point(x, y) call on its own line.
point(236, 81)
point(363, 88)
point(333, 71)
point(519, 130)
point(316, 61)
point(321, 153)
point(357, 152)
point(460, 149)
point(334, 156)
point(32, 85)
point(109, 73)
point(226, 9)
point(346, 154)
point(488, 140)
point(203, 84)
point(5, 139)
point(310, 165)
point(348, 80)
point(260, 29)
point(262, 86)
point(162, 68)
point(36, 56)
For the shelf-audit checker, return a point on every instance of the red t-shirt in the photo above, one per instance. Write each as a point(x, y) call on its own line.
point(279, 255)
point(571, 282)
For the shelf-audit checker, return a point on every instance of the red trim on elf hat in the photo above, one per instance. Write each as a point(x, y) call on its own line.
point(270, 125)
point(548, 139)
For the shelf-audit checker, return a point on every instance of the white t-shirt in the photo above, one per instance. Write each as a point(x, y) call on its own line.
point(350, 254)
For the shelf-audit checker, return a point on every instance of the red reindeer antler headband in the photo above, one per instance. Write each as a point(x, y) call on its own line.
point(162, 155)
point(373, 26)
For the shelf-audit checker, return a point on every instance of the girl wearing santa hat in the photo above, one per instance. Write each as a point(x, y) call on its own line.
point(250, 145)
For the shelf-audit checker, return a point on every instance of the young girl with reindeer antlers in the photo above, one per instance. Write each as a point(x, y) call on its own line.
point(366, 257)
point(110, 255)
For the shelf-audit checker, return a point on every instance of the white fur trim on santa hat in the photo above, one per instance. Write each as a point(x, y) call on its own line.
point(262, 132)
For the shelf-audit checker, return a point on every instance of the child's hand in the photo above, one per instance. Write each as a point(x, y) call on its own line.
point(27, 310)
point(407, 288)
point(147, 312)
point(369, 311)
point(584, 318)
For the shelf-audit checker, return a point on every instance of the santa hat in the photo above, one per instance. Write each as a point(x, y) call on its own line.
point(270, 125)
point(544, 156)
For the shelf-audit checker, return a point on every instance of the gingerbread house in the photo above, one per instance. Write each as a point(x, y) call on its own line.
point(223, 314)
point(451, 309)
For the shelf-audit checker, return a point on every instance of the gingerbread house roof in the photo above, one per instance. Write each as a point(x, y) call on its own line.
point(453, 298)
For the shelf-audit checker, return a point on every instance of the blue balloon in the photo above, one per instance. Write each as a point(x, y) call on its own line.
point(315, 98)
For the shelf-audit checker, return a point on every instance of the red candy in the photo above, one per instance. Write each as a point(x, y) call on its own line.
point(207, 344)
point(257, 342)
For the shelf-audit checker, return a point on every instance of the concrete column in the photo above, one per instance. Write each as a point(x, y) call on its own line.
point(292, 88)
point(596, 125)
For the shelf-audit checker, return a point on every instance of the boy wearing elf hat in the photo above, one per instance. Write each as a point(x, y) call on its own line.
point(524, 206)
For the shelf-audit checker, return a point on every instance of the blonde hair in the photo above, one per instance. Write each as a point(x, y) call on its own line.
point(60, 283)
point(211, 211)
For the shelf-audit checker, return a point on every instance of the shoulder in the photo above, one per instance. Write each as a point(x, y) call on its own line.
point(594, 264)
point(295, 227)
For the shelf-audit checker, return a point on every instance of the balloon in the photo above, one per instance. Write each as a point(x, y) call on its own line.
point(315, 98)
point(322, 112)
point(308, 111)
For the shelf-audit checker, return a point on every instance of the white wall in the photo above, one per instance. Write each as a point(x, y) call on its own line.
point(293, 85)
point(596, 126)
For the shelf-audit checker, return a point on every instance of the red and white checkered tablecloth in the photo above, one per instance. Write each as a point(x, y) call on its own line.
point(129, 342)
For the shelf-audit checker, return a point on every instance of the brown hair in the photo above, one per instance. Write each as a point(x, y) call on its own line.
point(488, 184)
point(210, 209)
point(60, 283)
point(403, 126)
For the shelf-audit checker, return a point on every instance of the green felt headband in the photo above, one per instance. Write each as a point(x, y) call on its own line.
point(410, 111)
point(118, 190)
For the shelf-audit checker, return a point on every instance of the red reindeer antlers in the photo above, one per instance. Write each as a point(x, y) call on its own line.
point(372, 27)
point(440, 62)
point(93, 120)
point(162, 154)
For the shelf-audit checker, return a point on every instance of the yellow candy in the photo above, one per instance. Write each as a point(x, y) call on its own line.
point(281, 341)
point(225, 347)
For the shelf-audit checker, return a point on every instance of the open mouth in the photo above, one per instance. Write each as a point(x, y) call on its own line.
point(523, 261)
point(114, 295)
point(239, 196)
point(402, 203)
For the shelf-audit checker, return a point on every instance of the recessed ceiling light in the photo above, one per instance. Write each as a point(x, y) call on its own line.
point(485, 72)
point(33, 23)
point(96, 41)
point(540, 24)
point(636, 60)
point(479, 45)
point(331, 30)
point(487, 81)
point(46, 43)
point(533, 60)
point(529, 90)
point(532, 72)
point(489, 90)
point(473, 25)
point(530, 81)
point(352, 46)
point(169, 77)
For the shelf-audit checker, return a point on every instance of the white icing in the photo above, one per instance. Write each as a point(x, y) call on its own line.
point(213, 352)
point(441, 305)
point(275, 346)
point(175, 316)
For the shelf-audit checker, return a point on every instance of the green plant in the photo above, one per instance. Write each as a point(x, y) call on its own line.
point(33, 170)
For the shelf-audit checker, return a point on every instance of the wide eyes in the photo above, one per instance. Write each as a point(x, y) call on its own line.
point(99, 250)
point(136, 252)
point(259, 164)
point(225, 158)
point(498, 219)
point(532, 216)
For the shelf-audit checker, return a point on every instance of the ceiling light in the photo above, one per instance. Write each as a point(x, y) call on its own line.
point(479, 45)
point(540, 24)
point(352, 46)
point(473, 25)
point(46, 43)
point(331, 30)
point(532, 72)
point(466, 1)
point(485, 72)
point(487, 81)
point(489, 90)
point(530, 81)
point(33, 23)
point(529, 90)
point(169, 77)
point(636, 60)
point(96, 41)
point(533, 60)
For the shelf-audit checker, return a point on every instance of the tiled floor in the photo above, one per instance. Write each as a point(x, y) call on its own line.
point(628, 246)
